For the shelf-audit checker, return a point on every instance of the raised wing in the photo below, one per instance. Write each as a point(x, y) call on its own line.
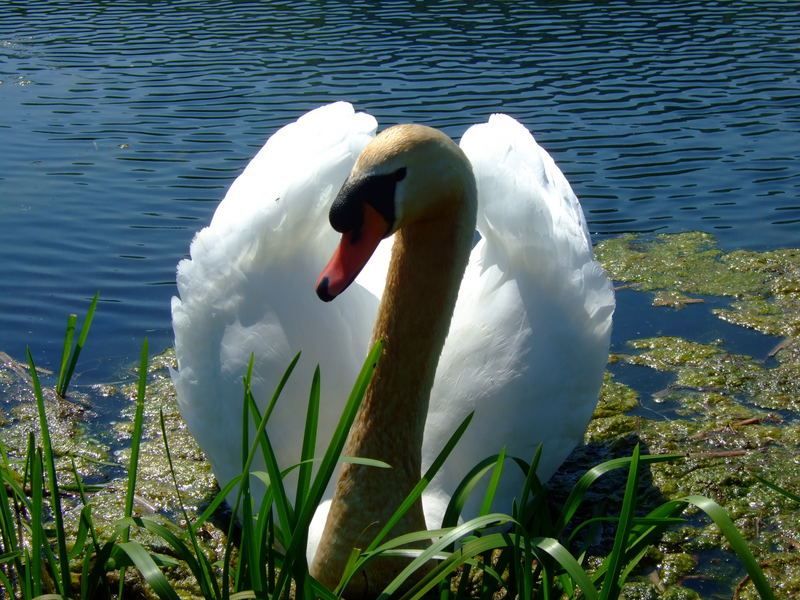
point(248, 289)
point(530, 334)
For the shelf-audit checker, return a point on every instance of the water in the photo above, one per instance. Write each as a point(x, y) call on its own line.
point(123, 123)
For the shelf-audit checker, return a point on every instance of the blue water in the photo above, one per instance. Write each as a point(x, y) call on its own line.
point(122, 124)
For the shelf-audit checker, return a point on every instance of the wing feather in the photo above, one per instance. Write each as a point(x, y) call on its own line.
point(530, 333)
point(248, 289)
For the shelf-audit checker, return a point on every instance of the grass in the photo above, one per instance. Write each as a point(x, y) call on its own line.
point(534, 551)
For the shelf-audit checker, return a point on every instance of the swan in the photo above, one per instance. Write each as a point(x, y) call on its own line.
point(514, 327)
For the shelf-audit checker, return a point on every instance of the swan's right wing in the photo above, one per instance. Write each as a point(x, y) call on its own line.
point(248, 289)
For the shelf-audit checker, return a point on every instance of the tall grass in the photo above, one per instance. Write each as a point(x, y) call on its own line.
point(528, 553)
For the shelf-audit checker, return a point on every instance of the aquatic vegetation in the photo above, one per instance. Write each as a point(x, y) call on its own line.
point(765, 285)
point(688, 263)
point(160, 545)
point(735, 416)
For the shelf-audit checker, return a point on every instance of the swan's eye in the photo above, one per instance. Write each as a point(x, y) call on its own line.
point(400, 174)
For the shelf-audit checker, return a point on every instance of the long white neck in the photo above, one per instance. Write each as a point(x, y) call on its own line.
point(422, 285)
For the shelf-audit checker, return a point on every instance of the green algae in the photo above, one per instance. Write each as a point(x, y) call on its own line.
point(102, 460)
point(766, 285)
point(615, 398)
point(689, 263)
point(777, 310)
point(72, 436)
point(609, 420)
point(195, 479)
point(735, 417)
point(674, 299)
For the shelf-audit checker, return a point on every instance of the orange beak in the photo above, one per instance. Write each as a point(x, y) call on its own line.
point(354, 250)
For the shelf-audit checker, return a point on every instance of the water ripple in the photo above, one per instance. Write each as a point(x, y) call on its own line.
point(128, 120)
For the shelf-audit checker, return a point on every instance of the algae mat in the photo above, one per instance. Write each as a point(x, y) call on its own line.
point(735, 416)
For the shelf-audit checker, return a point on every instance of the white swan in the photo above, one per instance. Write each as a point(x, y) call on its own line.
point(529, 335)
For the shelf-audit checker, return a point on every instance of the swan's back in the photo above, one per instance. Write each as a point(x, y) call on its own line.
point(529, 339)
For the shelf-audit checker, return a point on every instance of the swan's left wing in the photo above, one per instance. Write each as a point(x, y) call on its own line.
point(529, 338)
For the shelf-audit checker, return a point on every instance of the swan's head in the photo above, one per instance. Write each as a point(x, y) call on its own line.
point(408, 173)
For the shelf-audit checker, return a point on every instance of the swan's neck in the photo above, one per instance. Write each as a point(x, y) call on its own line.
point(427, 265)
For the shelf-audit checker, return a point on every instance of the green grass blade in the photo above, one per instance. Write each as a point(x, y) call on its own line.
point(199, 566)
point(9, 539)
point(524, 554)
point(37, 529)
point(646, 530)
point(182, 551)
point(485, 544)
point(776, 488)
point(320, 591)
point(8, 557)
point(309, 440)
point(648, 523)
point(61, 390)
point(249, 406)
point(578, 491)
point(632, 560)
point(735, 539)
point(532, 485)
point(87, 588)
point(279, 388)
point(276, 496)
point(249, 564)
point(328, 464)
point(93, 584)
point(64, 583)
point(86, 511)
point(79, 541)
point(97, 575)
point(277, 489)
point(149, 570)
point(439, 572)
point(61, 387)
point(465, 489)
point(219, 498)
point(611, 581)
point(133, 463)
point(257, 531)
point(243, 506)
point(494, 481)
point(334, 450)
point(270, 556)
point(138, 419)
point(421, 557)
point(5, 583)
point(245, 450)
point(426, 478)
point(568, 563)
point(367, 462)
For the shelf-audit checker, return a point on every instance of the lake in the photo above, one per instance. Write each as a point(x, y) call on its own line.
point(123, 123)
